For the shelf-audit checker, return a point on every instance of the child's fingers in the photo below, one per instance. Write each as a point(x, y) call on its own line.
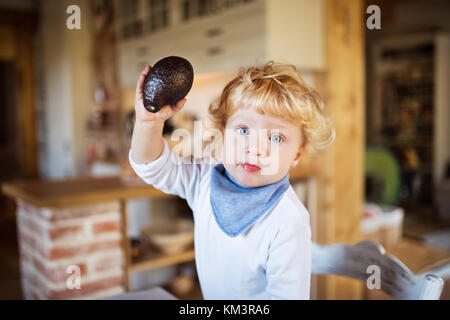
point(180, 104)
point(140, 82)
point(165, 112)
point(170, 109)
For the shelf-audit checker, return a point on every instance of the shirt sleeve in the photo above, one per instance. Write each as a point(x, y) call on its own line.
point(289, 263)
point(171, 173)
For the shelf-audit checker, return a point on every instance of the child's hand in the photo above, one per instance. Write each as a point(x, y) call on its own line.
point(142, 114)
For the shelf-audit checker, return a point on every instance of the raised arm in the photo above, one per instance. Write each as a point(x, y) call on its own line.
point(146, 142)
point(152, 159)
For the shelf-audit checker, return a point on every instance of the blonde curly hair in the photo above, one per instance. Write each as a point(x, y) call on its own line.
point(276, 89)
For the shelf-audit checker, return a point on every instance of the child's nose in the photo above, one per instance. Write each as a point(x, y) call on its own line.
point(260, 148)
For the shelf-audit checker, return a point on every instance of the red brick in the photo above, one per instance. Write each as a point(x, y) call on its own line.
point(51, 233)
point(43, 290)
point(35, 227)
point(108, 226)
point(33, 280)
point(105, 245)
point(60, 251)
point(34, 295)
point(28, 240)
point(81, 211)
point(108, 263)
point(61, 232)
point(28, 208)
point(86, 288)
point(57, 274)
point(68, 213)
point(25, 256)
point(64, 252)
point(32, 226)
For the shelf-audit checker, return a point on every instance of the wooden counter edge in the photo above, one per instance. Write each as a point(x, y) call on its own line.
point(132, 192)
point(14, 190)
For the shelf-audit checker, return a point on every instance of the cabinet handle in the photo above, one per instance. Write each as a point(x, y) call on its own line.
point(213, 32)
point(214, 51)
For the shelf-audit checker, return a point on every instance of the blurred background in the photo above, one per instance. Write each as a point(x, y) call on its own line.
point(69, 195)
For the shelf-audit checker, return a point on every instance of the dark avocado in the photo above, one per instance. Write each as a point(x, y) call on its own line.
point(169, 81)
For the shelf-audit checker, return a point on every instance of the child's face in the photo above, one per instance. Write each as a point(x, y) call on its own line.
point(273, 145)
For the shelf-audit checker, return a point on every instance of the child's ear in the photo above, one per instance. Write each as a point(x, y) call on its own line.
point(296, 160)
point(298, 156)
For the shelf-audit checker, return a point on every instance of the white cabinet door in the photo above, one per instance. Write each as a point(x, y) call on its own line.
point(132, 58)
point(234, 54)
point(296, 32)
point(246, 34)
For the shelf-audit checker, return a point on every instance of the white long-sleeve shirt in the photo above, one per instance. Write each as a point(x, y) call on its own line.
point(269, 260)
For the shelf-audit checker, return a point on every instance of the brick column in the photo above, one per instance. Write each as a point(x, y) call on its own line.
point(52, 240)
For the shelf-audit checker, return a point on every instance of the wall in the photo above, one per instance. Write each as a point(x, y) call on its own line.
point(64, 95)
point(205, 89)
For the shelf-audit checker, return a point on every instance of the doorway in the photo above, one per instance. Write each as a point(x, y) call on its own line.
point(11, 165)
point(18, 137)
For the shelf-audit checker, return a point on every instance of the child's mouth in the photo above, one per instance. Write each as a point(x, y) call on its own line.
point(249, 167)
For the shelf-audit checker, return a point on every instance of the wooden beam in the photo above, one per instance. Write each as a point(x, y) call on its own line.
point(25, 63)
point(346, 94)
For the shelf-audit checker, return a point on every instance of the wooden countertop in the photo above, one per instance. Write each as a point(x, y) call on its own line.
point(419, 257)
point(88, 190)
point(78, 191)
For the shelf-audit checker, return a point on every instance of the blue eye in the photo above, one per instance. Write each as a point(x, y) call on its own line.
point(243, 131)
point(276, 138)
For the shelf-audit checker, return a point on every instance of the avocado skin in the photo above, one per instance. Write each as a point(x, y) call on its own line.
point(169, 81)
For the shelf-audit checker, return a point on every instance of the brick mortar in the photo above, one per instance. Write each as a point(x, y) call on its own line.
point(92, 262)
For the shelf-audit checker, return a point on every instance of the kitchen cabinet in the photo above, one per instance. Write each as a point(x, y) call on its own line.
point(220, 35)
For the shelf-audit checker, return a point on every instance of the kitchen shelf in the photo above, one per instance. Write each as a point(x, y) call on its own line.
point(403, 114)
point(155, 259)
